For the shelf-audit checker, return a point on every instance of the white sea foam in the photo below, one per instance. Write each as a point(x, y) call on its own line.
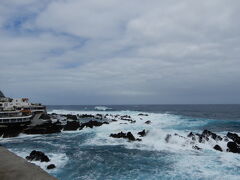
point(102, 108)
point(204, 164)
point(58, 159)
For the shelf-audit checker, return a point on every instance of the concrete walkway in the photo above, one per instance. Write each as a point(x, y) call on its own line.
point(36, 120)
point(13, 167)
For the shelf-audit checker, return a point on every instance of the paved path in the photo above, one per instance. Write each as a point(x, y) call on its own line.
point(36, 121)
point(13, 167)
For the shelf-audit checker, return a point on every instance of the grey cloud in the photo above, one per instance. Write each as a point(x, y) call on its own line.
point(119, 52)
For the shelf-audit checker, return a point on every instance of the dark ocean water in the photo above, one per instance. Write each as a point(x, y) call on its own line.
point(92, 154)
point(224, 112)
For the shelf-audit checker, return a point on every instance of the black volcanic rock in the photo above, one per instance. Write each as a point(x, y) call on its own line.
point(70, 116)
point(11, 130)
point(141, 114)
point(71, 126)
point(218, 148)
point(204, 136)
point(142, 133)
point(118, 135)
point(196, 147)
point(148, 122)
point(46, 128)
point(233, 147)
point(234, 137)
point(91, 124)
point(45, 116)
point(51, 166)
point(125, 117)
point(37, 156)
point(208, 134)
point(130, 136)
point(127, 135)
point(86, 116)
point(167, 138)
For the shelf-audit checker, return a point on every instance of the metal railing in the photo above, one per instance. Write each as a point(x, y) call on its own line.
point(7, 120)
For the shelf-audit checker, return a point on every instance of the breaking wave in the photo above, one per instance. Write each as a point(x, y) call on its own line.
point(102, 108)
point(87, 154)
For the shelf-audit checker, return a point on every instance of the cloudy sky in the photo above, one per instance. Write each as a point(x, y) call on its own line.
point(120, 52)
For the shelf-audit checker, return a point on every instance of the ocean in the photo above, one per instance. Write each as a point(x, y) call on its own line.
point(91, 154)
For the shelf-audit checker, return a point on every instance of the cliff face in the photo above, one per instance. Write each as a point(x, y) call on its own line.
point(1, 94)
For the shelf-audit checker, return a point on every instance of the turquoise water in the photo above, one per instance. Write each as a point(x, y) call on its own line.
point(92, 154)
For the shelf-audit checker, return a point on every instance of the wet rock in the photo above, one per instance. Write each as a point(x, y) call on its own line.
point(225, 138)
point(141, 114)
point(196, 147)
point(204, 136)
point(179, 136)
point(208, 134)
point(99, 116)
point(218, 148)
point(51, 166)
point(46, 128)
point(125, 117)
point(192, 136)
point(127, 135)
point(45, 116)
point(86, 116)
point(142, 133)
point(11, 130)
point(70, 116)
point(233, 137)
point(196, 136)
point(37, 156)
point(148, 122)
point(71, 126)
point(233, 147)
point(118, 135)
point(130, 136)
point(167, 138)
point(91, 124)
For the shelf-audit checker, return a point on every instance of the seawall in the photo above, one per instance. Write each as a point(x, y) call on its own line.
point(13, 167)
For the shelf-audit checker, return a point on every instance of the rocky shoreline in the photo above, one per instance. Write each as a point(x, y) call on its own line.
point(57, 123)
point(13, 167)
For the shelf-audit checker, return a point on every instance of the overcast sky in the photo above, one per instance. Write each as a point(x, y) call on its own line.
point(120, 51)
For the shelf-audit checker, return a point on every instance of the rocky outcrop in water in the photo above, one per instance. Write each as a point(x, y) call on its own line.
point(205, 136)
point(51, 166)
point(143, 133)
point(148, 122)
point(71, 126)
point(127, 135)
point(201, 138)
point(86, 116)
point(45, 128)
point(234, 137)
point(196, 148)
point(142, 114)
point(91, 124)
point(37, 156)
point(233, 147)
point(72, 117)
point(45, 116)
point(11, 130)
point(218, 148)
